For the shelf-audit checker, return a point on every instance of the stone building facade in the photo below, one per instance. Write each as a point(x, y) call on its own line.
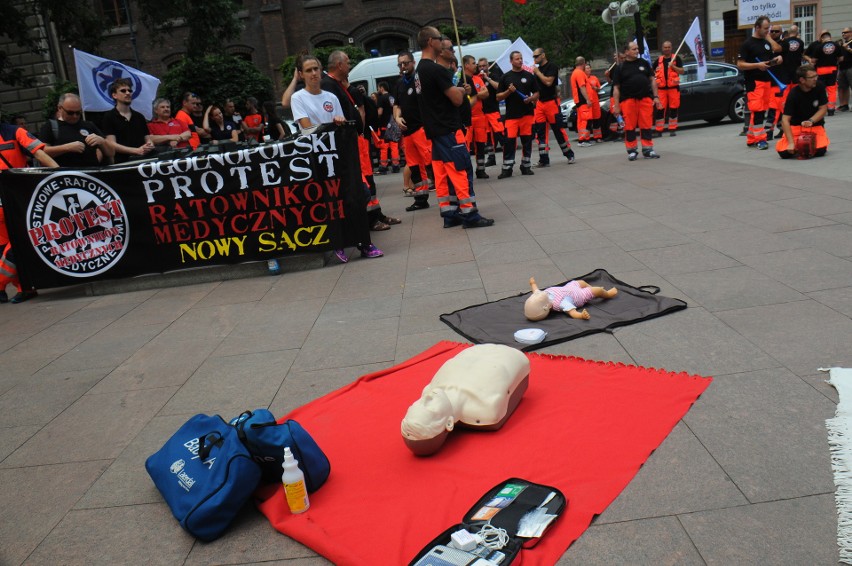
point(273, 29)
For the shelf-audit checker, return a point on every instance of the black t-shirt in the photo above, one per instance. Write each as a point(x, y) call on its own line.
point(440, 117)
point(546, 93)
point(385, 103)
point(826, 54)
point(633, 79)
point(525, 83)
point(223, 133)
point(846, 53)
point(406, 98)
point(371, 111)
point(70, 133)
point(792, 50)
point(490, 104)
point(347, 101)
point(754, 50)
point(801, 105)
point(130, 133)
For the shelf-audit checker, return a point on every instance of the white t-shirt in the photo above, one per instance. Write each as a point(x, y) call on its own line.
point(318, 108)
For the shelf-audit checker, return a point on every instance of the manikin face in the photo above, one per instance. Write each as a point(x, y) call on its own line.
point(163, 111)
point(537, 306)
point(429, 416)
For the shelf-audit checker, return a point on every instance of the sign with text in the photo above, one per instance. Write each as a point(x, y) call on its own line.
point(302, 195)
point(748, 11)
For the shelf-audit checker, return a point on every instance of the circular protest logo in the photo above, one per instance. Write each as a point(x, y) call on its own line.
point(327, 106)
point(104, 74)
point(77, 224)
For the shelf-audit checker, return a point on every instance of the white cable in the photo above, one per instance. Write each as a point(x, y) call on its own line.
point(493, 537)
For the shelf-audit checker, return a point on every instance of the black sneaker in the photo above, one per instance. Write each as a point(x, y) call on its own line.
point(481, 174)
point(505, 173)
point(395, 169)
point(831, 112)
point(417, 206)
point(451, 222)
point(491, 161)
point(672, 134)
point(632, 155)
point(570, 156)
point(4, 298)
point(844, 108)
point(542, 164)
point(481, 223)
point(650, 154)
point(527, 171)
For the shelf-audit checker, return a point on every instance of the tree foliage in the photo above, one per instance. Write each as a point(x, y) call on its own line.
point(76, 23)
point(215, 78)
point(211, 23)
point(569, 29)
point(356, 55)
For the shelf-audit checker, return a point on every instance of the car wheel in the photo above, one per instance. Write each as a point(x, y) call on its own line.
point(736, 111)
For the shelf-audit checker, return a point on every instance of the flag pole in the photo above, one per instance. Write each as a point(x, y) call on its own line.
point(458, 41)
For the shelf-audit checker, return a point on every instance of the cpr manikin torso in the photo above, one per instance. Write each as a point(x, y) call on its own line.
point(478, 388)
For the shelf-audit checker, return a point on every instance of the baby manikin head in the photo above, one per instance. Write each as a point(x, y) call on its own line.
point(537, 306)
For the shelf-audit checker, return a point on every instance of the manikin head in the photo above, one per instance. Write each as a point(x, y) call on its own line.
point(537, 306)
point(429, 416)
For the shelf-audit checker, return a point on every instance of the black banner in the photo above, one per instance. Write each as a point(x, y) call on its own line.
point(256, 203)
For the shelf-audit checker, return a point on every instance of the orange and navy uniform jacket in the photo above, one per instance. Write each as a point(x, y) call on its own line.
point(16, 144)
point(660, 70)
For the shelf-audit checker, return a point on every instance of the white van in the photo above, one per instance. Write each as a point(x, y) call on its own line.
point(370, 72)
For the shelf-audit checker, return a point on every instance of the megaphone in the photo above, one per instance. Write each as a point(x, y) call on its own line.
point(610, 13)
point(628, 8)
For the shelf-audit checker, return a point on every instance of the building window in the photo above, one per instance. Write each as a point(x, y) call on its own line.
point(805, 18)
point(114, 11)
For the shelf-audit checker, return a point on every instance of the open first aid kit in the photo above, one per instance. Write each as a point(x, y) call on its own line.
point(511, 516)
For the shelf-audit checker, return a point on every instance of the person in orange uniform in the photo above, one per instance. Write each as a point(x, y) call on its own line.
point(667, 72)
point(252, 123)
point(593, 86)
point(16, 145)
point(547, 111)
point(477, 134)
point(581, 101)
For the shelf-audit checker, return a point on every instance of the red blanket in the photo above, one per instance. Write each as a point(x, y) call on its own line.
point(584, 427)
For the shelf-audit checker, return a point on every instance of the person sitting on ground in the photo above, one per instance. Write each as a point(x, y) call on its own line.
point(167, 132)
point(565, 299)
point(804, 111)
point(220, 129)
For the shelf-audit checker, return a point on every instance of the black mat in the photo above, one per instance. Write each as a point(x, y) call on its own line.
point(497, 322)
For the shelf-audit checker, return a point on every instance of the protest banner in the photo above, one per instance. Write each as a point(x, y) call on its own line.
point(255, 203)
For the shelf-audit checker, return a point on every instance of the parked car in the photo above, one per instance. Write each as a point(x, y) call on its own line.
point(721, 94)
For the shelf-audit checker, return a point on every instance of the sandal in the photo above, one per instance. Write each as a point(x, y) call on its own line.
point(390, 220)
point(409, 192)
point(379, 226)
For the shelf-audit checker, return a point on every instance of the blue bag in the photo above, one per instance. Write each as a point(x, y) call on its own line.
point(205, 474)
point(266, 439)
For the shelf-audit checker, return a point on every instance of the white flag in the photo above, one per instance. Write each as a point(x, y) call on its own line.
point(520, 45)
point(95, 74)
point(646, 53)
point(696, 45)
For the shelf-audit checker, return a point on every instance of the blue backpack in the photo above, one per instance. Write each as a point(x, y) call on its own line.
point(265, 440)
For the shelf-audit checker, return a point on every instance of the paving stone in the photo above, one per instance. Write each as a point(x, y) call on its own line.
point(12, 437)
point(33, 499)
point(579, 240)
point(601, 347)
point(803, 269)
point(498, 254)
point(837, 299)
point(818, 205)
point(734, 288)
point(685, 258)
point(835, 239)
point(302, 387)
point(649, 541)
point(746, 241)
point(109, 348)
point(580, 262)
point(766, 429)
point(516, 276)
point(421, 314)
point(231, 384)
point(679, 477)
point(796, 531)
point(442, 279)
point(648, 237)
point(349, 343)
point(556, 226)
point(694, 341)
point(615, 222)
point(100, 536)
point(821, 334)
point(95, 427)
point(778, 219)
